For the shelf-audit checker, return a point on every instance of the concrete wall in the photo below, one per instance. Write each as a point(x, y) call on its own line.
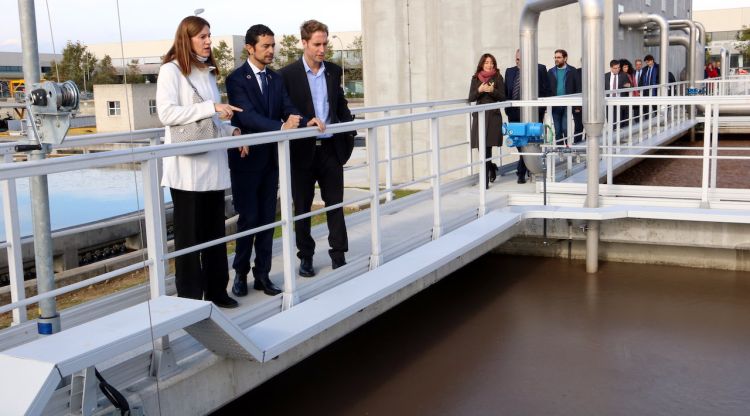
point(420, 50)
point(134, 107)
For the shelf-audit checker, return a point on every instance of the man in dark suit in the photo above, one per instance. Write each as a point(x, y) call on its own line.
point(261, 94)
point(513, 92)
point(314, 86)
point(650, 76)
point(615, 80)
point(563, 80)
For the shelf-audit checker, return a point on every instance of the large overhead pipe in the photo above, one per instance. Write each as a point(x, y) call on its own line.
point(701, 58)
point(529, 59)
point(692, 35)
point(673, 40)
point(592, 22)
point(642, 19)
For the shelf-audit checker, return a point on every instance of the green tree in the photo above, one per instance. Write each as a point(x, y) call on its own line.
point(329, 51)
point(289, 51)
point(76, 65)
point(743, 42)
point(354, 72)
point(244, 55)
point(105, 72)
point(134, 75)
point(224, 60)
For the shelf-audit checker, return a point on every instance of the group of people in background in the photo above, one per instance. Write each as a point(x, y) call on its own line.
point(488, 86)
point(305, 93)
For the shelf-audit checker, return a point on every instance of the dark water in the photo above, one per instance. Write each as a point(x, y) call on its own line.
point(536, 336)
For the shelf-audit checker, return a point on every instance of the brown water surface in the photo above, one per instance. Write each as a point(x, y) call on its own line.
point(688, 172)
point(537, 336)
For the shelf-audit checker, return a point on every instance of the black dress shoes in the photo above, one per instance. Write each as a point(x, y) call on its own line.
point(225, 302)
point(521, 179)
point(306, 267)
point(493, 172)
point(336, 263)
point(266, 285)
point(239, 288)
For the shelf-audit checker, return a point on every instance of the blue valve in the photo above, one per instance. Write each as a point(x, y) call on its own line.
point(521, 134)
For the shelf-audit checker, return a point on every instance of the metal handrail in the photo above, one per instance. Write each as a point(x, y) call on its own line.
point(281, 138)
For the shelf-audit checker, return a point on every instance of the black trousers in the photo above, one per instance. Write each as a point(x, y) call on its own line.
point(329, 174)
point(254, 199)
point(199, 217)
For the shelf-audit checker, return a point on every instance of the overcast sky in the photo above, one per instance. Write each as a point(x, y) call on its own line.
point(95, 21)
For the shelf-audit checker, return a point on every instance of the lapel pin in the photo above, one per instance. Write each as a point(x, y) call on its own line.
point(249, 77)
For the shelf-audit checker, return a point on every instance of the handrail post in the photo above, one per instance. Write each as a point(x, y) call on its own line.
point(163, 362)
point(469, 153)
point(610, 143)
point(437, 224)
point(706, 154)
point(376, 250)
point(714, 147)
point(289, 297)
point(388, 158)
point(156, 226)
point(13, 238)
point(482, 143)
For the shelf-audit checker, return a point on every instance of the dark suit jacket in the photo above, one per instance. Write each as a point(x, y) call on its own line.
point(243, 92)
point(572, 81)
point(514, 113)
point(295, 80)
point(622, 79)
point(653, 81)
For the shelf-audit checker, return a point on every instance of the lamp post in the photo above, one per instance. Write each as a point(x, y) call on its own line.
point(196, 12)
point(343, 69)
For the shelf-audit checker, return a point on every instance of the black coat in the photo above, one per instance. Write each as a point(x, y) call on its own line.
point(514, 113)
point(295, 80)
point(494, 118)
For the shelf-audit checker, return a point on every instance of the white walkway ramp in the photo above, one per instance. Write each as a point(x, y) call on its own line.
point(38, 367)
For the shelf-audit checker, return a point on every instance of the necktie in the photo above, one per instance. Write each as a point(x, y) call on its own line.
point(517, 87)
point(649, 81)
point(263, 82)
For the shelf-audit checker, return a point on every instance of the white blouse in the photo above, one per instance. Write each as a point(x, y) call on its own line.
point(174, 103)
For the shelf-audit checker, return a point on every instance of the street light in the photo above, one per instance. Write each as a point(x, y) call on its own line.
point(343, 70)
point(196, 12)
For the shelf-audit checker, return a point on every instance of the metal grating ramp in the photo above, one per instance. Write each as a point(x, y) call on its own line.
point(222, 337)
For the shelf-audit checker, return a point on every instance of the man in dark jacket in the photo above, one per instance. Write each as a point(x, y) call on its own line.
point(262, 96)
point(513, 92)
point(314, 87)
point(563, 80)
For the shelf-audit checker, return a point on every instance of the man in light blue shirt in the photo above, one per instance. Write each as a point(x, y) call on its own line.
point(314, 86)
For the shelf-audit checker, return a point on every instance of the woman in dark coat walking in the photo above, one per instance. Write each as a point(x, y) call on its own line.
point(487, 86)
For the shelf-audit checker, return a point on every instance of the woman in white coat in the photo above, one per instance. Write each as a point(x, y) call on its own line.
point(196, 182)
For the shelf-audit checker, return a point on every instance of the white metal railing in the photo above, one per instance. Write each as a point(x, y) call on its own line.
point(670, 111)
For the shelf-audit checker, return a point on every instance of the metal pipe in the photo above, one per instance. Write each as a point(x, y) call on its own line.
point(673, 40)
point(529, 79)
point(701, 58)
point(640, 19)
point(724, 62)
point(592, 18)
point(49, 320)
point(592, 23)
point(691, 68)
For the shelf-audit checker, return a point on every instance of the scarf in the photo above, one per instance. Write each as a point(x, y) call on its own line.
point(485, 76)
